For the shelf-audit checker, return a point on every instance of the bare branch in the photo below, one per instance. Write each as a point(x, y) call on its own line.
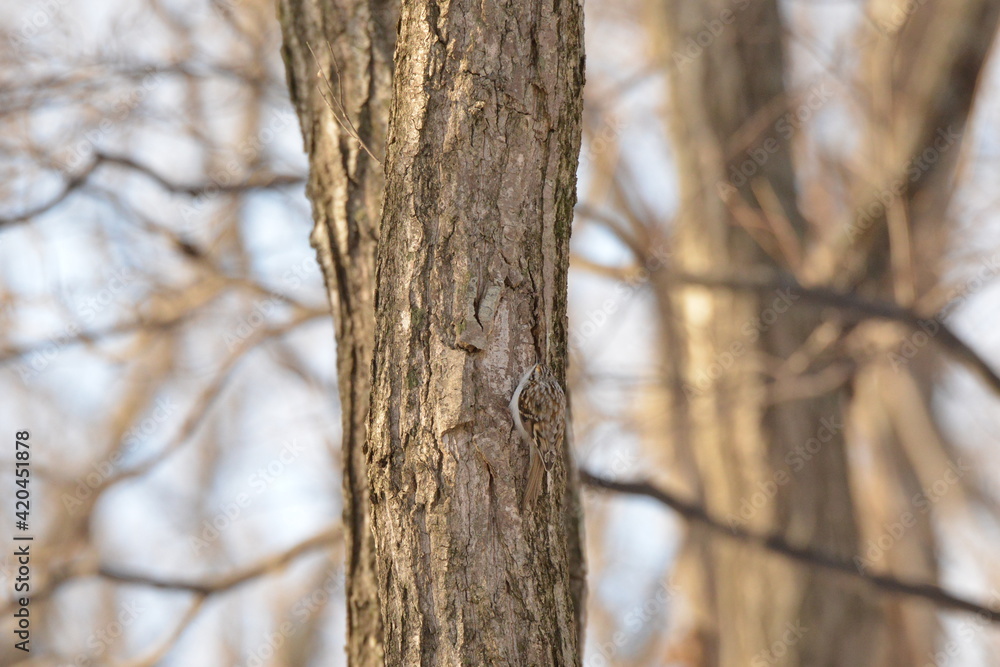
point(208, 587)
point(848, 304)
point(71, 185)
point(852, 304)
point(776, 543)
point(208, 397)
point(154, 655)
point(191, 190)
point(10, 354)
point(197, 189)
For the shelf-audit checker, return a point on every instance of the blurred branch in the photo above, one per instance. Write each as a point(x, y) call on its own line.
point(190, 190)
point(203, 405)
point(625, 274)
point(84, 568)
point(70, 186)
point(196, 189)
point(845, 302)
point(208, 587)
point(203, 590)
point(853, 304)
point(775, 543)
point(157, 653)
point(612, 223)
point(208, 397)
point(94, 336)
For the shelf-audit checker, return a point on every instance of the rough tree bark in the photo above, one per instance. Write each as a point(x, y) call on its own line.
point(480, 187)
point(345, 187)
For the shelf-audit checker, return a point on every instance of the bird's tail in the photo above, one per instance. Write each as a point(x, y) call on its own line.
point(536, 474)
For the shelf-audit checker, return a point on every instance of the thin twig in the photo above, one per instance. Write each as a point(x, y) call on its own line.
point(198, 189)
point(72, 184)
point(336, 103)
point(203, 404)
point(10, 354)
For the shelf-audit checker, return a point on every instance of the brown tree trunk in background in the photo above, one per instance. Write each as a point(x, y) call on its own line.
point(345, 187)
point(920, 69)
point(920, 66)
point(481, 171)
point(780, 463)
point(748, 452)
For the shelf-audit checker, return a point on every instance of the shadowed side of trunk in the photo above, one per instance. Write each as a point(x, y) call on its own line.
point(351, 42)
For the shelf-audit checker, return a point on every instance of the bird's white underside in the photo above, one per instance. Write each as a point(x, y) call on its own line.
point(515, 411)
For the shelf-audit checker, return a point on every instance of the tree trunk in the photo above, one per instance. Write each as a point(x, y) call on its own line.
point(345, 187)
point(760, 464)
point(780, 464)
point(921, 66)
point(481, 169)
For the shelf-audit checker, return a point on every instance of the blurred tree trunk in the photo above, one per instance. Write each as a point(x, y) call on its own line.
point(780, 463)
point(747, 603)
point(920, 68)
point(345, 187)
point(472, 262)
